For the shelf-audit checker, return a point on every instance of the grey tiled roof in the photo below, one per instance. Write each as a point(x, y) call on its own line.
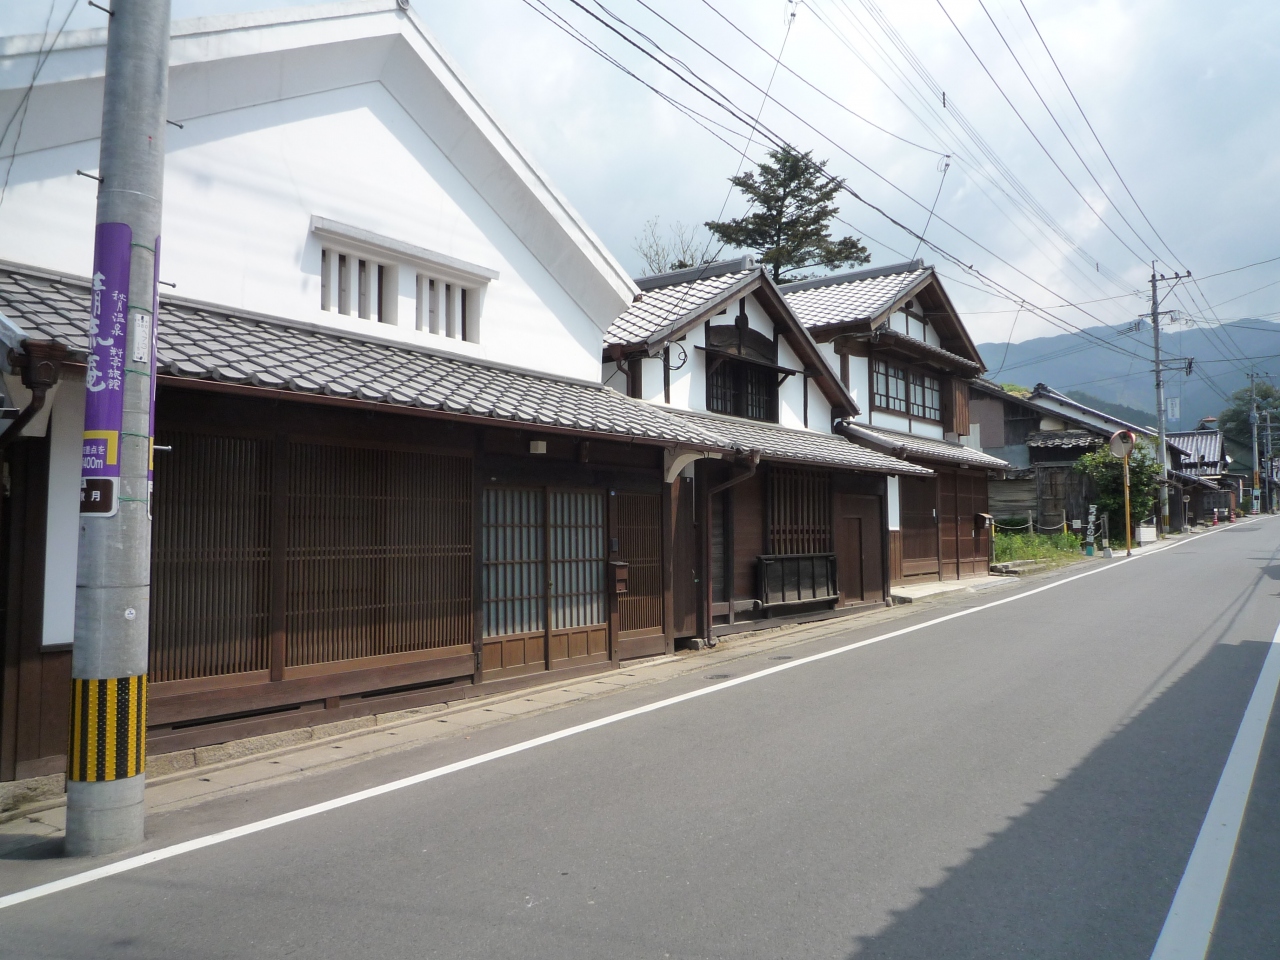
point(785, 443)
point(1197, 444)
point(863, 296)
point(1064, 438)
point(663, 307)
point(206, 343)
point(943, 451)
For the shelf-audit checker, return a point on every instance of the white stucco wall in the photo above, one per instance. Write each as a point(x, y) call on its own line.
point(891, 421)
point(240, 190)
point(892, 503)
point(860, 386)
point(925, 428)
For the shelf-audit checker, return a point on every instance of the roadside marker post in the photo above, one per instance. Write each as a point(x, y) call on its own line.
point(1122, 446)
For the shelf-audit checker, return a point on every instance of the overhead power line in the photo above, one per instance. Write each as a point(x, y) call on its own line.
point(710, 92)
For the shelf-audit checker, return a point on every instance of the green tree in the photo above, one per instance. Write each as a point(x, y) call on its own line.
point(1107, 474)
point(788, 225)
point(1234, 421)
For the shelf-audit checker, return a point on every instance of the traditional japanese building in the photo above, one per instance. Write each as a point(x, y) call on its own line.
point(905, 357)
point(794, 526)
point(386, 471)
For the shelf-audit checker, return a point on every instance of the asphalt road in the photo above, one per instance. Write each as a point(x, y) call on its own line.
point(1027, 780)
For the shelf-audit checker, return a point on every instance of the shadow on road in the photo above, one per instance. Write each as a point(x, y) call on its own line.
point(1090, 869)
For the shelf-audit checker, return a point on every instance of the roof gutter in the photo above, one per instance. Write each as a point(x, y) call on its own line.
point(864, 437)
point(40, 364)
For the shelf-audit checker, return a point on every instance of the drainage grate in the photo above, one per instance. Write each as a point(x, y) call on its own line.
point(780, 658)
point(718, 676)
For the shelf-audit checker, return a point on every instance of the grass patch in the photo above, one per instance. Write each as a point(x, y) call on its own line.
point(1059, 547)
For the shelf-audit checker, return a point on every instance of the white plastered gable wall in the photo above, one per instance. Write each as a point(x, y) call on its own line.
point(688, 375)
point(348, 113)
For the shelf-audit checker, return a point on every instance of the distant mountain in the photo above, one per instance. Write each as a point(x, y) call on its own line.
point(1139, 418)
point(1071, 363)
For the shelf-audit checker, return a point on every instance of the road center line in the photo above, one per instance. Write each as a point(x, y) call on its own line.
point(199, 843)
point(1189, 926)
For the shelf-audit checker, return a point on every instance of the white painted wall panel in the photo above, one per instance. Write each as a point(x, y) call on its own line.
point(860, 386)
point(242, 186)
point(62, 526)
point(891, 421)
point(892, 508)
point(925, 429)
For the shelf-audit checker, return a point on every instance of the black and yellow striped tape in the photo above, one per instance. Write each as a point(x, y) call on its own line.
point(108, 728)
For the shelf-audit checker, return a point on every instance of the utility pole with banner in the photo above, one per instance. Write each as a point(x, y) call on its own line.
point(1121, 446)
point(106, 760)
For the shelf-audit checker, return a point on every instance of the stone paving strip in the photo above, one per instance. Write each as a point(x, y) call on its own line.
point(194, 776)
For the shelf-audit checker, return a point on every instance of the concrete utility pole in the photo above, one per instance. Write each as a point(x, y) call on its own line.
point(1271, 494)
point(105, 766)
point(1161, 454)
point(1253, 427)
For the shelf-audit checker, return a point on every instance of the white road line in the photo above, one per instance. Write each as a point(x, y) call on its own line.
point(1189, 925)
point(189, 846)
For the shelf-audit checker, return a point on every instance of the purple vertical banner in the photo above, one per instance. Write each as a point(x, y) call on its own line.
point(155, 339)
point(104, 374)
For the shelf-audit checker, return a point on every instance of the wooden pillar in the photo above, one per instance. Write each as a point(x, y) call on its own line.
point(668, 564)
point(279, 554)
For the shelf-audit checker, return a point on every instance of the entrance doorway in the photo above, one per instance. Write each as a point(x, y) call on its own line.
point(543, 569)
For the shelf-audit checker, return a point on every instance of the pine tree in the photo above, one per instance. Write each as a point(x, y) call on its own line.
point(788, 225)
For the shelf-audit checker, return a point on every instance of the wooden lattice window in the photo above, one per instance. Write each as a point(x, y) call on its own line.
point(742, 389)
point(799, 512)
point(513, 562)
point(379, 553)
point(926, 396)
point(577, 537)
point(889, 386)
point(640, 545)
point(211, 557)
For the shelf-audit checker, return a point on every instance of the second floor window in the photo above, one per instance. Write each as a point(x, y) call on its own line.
point(926, 397)
point(743, 390)
point(903, 390)
point(889, 387)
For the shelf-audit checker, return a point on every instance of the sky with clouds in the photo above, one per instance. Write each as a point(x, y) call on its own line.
point(1180, 93)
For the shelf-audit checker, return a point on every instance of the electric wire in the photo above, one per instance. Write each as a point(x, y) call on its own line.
point(720, 99)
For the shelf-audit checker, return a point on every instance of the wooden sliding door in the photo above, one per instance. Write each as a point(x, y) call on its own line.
point(543, 566)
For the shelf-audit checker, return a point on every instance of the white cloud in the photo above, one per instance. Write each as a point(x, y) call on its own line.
point(1180, 92)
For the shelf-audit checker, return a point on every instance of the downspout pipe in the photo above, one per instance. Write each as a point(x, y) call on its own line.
point(867, 438)
point(40, 364)
point(753, 461)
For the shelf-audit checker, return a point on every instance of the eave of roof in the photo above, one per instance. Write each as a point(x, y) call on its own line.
point(1064, 438)
point(201, 342)
point(918, 348)
point(885, 288)
point(931, 450)
point(663, 311)
point(774, 442)
point(1044, 392)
